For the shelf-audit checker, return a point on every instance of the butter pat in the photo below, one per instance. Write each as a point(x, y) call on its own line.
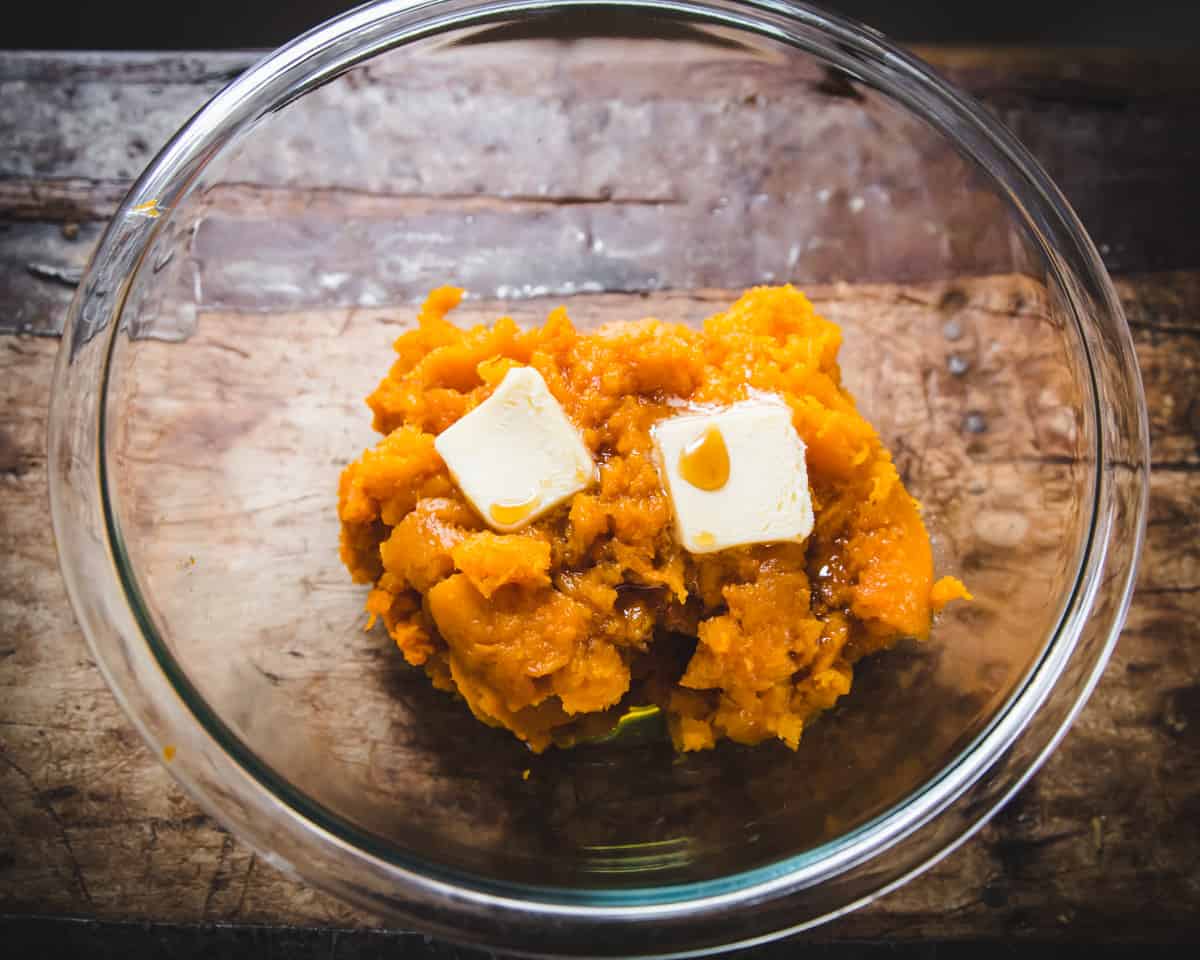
point(765, 498)
point(516, 455)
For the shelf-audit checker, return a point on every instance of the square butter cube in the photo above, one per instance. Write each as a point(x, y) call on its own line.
point(765, 498)
point(516, 455)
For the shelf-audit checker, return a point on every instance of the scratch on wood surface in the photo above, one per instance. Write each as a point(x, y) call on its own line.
point(241, 901)
point(252, 199)
point(230, 348)
point(61, 275)
point(216, 881)
point(64, 839)
point(103, 775)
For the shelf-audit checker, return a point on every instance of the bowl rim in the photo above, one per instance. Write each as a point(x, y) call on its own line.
point(516, 916)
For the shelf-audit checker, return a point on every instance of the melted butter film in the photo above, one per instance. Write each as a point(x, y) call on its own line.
point(509, 513)
point(705, 461)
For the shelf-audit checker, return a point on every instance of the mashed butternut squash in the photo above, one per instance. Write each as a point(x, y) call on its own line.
point(595, 606)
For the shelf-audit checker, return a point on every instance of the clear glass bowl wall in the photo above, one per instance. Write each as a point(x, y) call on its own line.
point(210, 390)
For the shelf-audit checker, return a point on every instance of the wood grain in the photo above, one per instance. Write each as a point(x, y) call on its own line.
point(1103, 843)
point(227, 485)
point(97, 827)
point(75, 130)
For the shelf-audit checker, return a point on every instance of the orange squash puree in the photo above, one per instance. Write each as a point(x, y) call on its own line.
point(595, 604)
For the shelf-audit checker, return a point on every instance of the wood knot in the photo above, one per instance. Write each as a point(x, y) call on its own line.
point(1180, 715)
point(11, 461)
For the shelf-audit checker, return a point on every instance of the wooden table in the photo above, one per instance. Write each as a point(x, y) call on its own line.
point(1103, 844)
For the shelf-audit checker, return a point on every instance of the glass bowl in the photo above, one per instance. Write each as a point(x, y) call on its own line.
point(625, 159)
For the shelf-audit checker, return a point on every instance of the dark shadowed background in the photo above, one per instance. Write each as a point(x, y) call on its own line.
point(222, 24)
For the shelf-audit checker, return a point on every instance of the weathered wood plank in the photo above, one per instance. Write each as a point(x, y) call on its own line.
point(228, 484)
point(75, 129)
point(61, 200)
point(92, 824)
point(95, 826)
point(1069, 75)
point(40, 266)
point(153, 69)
